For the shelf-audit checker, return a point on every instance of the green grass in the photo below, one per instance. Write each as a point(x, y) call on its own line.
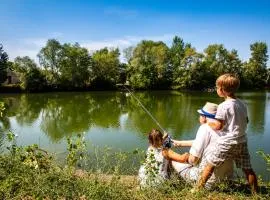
point(31, 173)
point(19, 180)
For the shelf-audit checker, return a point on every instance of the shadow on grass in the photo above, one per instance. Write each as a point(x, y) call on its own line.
point(234, 187)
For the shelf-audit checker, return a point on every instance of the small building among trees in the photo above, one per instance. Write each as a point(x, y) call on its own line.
point(12, 77)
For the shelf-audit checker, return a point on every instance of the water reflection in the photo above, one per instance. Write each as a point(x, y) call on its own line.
point(256, 111)
point(117, 120)
point(64, 114)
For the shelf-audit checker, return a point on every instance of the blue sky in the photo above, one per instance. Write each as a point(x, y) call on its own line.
point(26, 25)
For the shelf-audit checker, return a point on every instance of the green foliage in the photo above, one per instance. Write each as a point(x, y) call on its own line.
point(31, 76)
point(24, 64)
point(219, 60)
point(177, 52)
point(259, 54)
point(128, 53)
point(76, 151)
point(75, 66)
point(31, 155)
point(266, 157)
point(34, 80)
point(255, 71)
point(50, 58)
point(33, 174)
point(149, 66)
point(152, 169)
point(4, 121)
point(106, 68)
point(3, 64)
point(105, 160)
point(2, 109)
point(188, 70)
point(268, 78)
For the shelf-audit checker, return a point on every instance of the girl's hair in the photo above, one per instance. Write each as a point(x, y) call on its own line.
point(155, 138)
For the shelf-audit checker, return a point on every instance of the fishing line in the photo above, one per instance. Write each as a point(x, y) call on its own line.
point(153, 118)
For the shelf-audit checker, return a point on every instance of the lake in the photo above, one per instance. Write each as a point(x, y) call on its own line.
point(116, 119)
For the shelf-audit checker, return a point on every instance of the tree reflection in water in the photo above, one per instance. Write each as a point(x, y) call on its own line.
point(64, 114)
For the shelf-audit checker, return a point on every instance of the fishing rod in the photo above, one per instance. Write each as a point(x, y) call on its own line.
point(144, 108)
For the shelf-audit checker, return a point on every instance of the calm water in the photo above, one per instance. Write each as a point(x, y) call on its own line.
point(116, 120)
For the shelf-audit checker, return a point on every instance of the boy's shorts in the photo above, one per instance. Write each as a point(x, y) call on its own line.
point(237, 152)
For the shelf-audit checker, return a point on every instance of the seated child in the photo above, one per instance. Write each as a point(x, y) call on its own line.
point(155, 167)
point(190, 168)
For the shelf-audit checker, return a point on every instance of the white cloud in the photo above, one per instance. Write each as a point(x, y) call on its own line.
point(25, 47)
point(123, 42)
point(31, 46)
point(28, 46)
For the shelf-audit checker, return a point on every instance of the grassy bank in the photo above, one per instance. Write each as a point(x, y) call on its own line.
point(31, 173)
point(22, 181)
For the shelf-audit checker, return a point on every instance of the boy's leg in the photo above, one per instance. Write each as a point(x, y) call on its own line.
point(252, 179)
point(219, 154)
point(206, 174)
point(243, 161)
point(171, 155)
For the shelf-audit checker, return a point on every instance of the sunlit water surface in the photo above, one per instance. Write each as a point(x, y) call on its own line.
point(116, 120)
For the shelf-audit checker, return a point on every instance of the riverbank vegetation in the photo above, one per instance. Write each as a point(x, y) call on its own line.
point(148, 65)
point(28, 172)
point(32, 173)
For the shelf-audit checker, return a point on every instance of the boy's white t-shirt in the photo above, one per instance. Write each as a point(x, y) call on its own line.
point(234, 114)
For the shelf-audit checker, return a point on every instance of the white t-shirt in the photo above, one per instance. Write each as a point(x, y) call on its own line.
point(234, 114)
point(154, 169)
point(202, 146)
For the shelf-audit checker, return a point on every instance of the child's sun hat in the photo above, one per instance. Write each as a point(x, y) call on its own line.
point(209, 110)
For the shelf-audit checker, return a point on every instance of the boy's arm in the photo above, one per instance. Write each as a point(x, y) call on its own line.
point(217, 124)
point(182, 143)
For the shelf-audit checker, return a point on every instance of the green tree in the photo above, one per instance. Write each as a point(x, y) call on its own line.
point(149, 67)
point(128, 53)
point(255, 70)
point(23, 64)
point(3, 64)
point(31, 76)
point(268, 77)
point(50, 58)
point(75, 66)
point(219, 60)
point(187, 67)
point(177, 52)
point(106, 68)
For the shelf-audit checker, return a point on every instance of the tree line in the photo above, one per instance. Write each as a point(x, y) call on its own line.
point(149, 65)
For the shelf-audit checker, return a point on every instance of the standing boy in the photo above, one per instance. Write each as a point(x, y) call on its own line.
point(232, 121)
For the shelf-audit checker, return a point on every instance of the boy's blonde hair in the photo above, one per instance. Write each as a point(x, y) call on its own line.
point(229, 83)
point(155, 138)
